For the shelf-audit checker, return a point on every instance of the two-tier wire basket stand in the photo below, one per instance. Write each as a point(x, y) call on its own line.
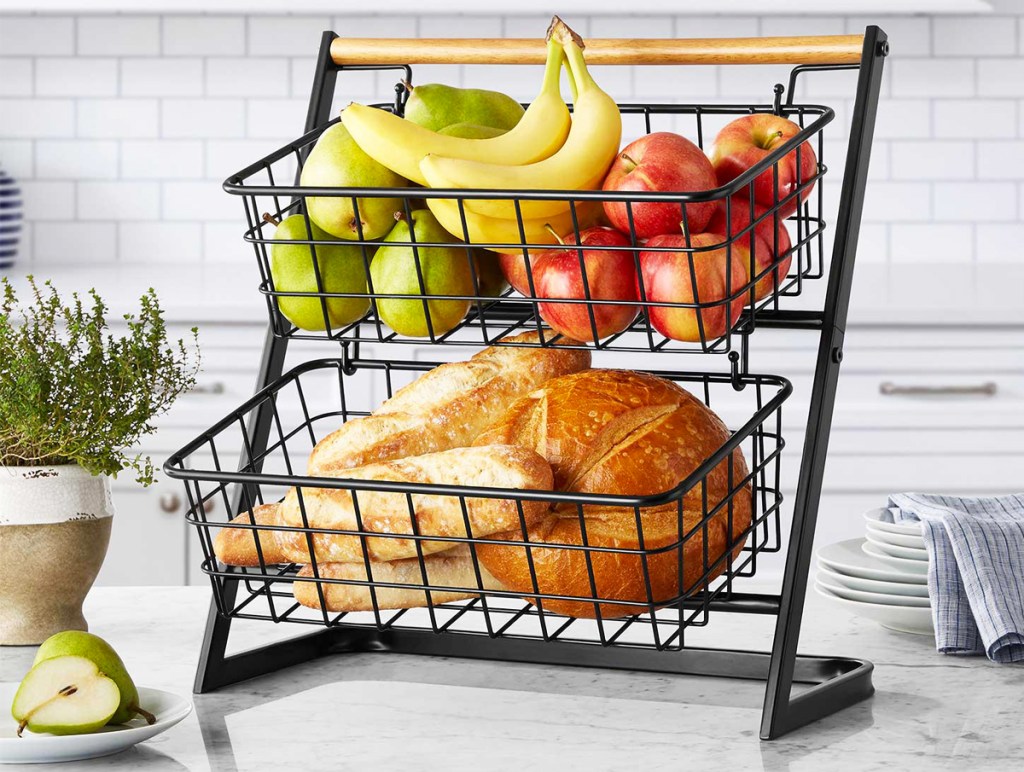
point(291, 411)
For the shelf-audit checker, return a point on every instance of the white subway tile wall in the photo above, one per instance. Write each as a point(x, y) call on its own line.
point(121, 128)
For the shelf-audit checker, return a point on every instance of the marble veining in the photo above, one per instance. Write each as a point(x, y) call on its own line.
point(374, 711)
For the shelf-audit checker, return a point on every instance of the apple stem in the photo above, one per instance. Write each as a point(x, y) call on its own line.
point(554, 233)
point(150, 718)
point(772, 139)
point(630, 161)
point(269, 218)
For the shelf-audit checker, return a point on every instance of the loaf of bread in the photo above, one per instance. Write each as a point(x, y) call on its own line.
point(620, 432)
point(384, 512)
point(237, 546)
point(453, 568)
point(446, 407)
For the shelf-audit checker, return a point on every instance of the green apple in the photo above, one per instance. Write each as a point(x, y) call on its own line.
point(77, 643)
point(445, 270)
point(471, 131)
point(65, 695)
point(342, 269)
point(434, 106)
point(336, 161)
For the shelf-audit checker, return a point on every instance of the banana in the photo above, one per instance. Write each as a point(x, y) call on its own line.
point(499, 230)
point(400, 145)
point(580, 163)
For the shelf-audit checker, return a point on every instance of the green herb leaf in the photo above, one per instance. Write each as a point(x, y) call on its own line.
point(73, 393)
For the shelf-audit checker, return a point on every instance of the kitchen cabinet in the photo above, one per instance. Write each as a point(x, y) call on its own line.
point(902, 422)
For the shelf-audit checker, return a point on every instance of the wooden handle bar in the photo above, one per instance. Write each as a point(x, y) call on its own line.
point(823, 49)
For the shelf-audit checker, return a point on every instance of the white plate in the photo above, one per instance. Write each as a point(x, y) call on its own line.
point(873, 585)
point(30, 748)
point(910, 553)
point(900, 539)
point(919, 567)
point(871, 597)
point(905, 619)
point(874, 516)
point(846, 557)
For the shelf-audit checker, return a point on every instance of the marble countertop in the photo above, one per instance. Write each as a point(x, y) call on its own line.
point(375, 711)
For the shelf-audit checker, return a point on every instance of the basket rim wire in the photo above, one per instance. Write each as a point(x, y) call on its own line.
point(666, 632)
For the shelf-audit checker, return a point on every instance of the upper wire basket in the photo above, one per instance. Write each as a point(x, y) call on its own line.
point(708, 324)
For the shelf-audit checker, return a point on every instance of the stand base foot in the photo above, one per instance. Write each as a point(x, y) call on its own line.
point(836, 682)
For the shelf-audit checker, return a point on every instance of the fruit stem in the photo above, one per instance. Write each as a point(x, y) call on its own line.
point(552, 68)
point(554, 233)
point(563, 34)
point(269, 218)
point(578, 67)
point(769, 141)
point(21, 726)
point(628, 160)
point(150, 718)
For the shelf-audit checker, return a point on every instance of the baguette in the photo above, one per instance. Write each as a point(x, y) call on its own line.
point(447, 407)
point(237, 546)
point(453, 568)
point(383, 512)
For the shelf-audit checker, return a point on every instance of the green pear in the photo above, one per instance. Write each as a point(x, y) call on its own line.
point(65, 695)
point(336, 161)
point(445, 271)
point(341, 270)
point(489, 276)
point(77, 643)
point(434, 106)
point(471, 131)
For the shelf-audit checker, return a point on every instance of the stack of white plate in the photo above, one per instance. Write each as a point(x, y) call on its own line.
point(882, 576)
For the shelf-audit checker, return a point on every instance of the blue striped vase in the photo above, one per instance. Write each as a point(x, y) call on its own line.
point(10, 220)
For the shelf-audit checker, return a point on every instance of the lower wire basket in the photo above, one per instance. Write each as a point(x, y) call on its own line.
point(457, 596)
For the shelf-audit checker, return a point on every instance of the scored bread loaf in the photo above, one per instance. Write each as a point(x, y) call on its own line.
point(453, 568)
point(237, 546)
point(621, 432)
point(446, 407)
point(384, 512)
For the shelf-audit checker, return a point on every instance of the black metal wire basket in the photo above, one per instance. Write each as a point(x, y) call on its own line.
point(256, 455)
point(342, 390)
point(765, 271)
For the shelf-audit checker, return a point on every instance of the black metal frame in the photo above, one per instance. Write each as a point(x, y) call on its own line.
point(837, 682)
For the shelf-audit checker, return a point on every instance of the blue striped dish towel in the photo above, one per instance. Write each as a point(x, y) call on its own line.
point(975, 571)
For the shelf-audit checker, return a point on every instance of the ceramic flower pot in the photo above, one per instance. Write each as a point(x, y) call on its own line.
point(54, 531)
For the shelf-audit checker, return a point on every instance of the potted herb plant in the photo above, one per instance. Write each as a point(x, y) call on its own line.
point(74, 400)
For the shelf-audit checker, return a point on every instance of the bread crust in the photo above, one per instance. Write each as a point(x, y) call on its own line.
point(621, 432)
point(237, 546)
point(446, 407)
point(453, 568)
point(382, 512)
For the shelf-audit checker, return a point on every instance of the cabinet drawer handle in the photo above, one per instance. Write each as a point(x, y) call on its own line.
point(217, 387)
point(170, 502)
point(987, 389)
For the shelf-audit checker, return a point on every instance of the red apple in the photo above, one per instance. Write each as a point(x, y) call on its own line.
point(611, 275)
point(763, 244)
point(666, 279)
point(514, 268)
point(660, 162)
point(746, 141)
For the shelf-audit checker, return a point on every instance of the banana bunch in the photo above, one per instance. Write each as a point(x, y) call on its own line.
point(546, 150)
point(401, 145)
